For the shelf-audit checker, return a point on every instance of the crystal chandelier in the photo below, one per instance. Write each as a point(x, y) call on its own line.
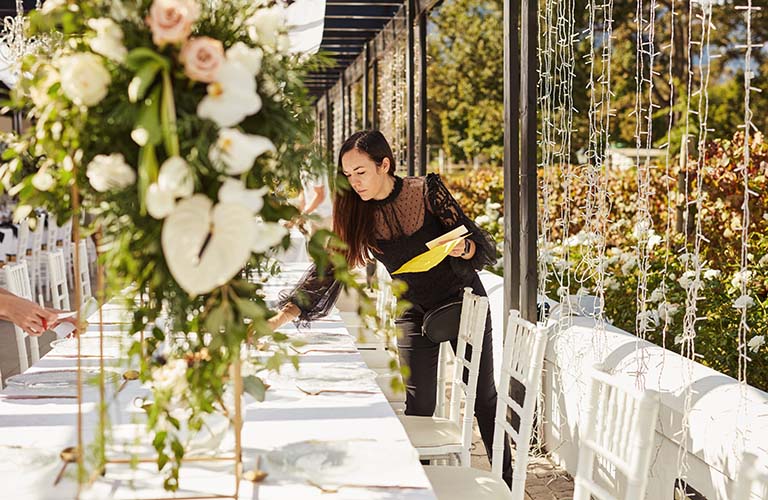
point(13, 43)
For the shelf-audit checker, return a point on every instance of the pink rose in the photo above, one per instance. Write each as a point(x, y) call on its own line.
point(171, 20)
point(202, 58)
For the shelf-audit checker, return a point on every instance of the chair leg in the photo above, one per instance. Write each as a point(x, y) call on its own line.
point(22, 348)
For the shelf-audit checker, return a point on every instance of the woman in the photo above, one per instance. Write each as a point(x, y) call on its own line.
point(392, 219)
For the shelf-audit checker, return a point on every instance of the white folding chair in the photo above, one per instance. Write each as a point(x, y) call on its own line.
point(751, 481)
point(57, 275)
point(523, 361)
point(49, 245)
point(439, 437)
point(618, 434)
point(85, 273)
point(17, 280)
point(34, 255)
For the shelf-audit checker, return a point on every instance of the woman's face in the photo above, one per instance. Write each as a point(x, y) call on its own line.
point(370, 181)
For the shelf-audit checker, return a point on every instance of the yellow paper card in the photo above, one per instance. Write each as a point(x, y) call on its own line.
point(429, 259)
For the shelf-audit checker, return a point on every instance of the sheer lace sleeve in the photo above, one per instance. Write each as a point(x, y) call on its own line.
point(443, 205)
point(314, 295)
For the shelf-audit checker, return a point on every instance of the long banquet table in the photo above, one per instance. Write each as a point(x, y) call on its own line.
point(33, 431)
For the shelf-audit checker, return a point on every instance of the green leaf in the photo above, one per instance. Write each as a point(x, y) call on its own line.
point(149, 120)
point(254, 386)
point(216, 318)
point(178, 449)
point(168, 117)
point(249, 309)
point(143, 80)
point(140, 56)
point(162, 459)
point(159, 441)
point(147, 174)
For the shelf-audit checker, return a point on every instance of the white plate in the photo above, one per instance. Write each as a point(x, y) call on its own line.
point(54, 382)
point(89, 346)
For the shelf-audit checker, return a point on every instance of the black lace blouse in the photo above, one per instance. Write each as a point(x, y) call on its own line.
point(418, 210)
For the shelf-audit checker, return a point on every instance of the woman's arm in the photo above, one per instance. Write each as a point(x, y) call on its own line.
point(25, 314)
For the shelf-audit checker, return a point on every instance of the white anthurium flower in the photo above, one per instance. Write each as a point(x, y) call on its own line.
point(234, 191)
point(231, 97)
point(237, 151)
point(84, 79)
point(204, 245)
point(744, 302)
point(43, 181)
point(109, 39)
point(267, 235)
point(756, 342)
point(249, 57)
point(160, 202)
point(176, 177)
point(110, 172)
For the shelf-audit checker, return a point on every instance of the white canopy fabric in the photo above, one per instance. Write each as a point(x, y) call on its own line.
point(306, 19)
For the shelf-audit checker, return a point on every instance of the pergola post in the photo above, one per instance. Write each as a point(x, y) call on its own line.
point(343, 83)
point(423, 93)
point(328, 125)
point(511, 157)
point(375, 100)
point(409, 65)
point(528, 178)
point(366, 62)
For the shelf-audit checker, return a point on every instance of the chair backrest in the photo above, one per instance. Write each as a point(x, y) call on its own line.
point(34, 251)
point(619, 432)
point(57, 275)
point(523, 362)
point(469, 346)
point(17, 280)
point(53, 233)
point(22, 240)
point(751, 481)
point(85, 273)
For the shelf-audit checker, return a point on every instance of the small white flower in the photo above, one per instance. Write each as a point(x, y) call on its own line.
point(110, 172)
point(629, 265)
point(658, 294)
point(743, 302)
point(84, 80)
point(42, 181)
point(763, 261)
point(176, 177)
point(237, 151)
point(51, 5)
point(711, 274)
point(171, 377)
point(653, 240)
point(21, 212)
point(249, 57)
point(268, 234)
point(109, 39)
point(667, 311)
point(611, 283)
point(234, 191)
point(160, 202)
point(756, 342)
point(482, 220)
point(231, 97)
point(740, 277)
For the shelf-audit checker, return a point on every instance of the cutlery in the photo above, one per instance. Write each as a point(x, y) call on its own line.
point(68, 455)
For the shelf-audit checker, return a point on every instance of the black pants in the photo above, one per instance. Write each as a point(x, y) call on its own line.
point(421, 355)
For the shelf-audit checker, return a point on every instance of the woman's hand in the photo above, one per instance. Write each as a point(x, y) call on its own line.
point(27, 315)
point(464, 250)
point(283, 316)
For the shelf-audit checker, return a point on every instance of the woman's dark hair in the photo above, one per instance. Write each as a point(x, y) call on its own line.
point(353, 219)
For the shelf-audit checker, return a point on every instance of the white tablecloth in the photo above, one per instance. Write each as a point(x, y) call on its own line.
point(286, 416)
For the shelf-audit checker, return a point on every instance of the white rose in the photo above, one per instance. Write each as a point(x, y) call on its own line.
point(51, 5)
point(176, 177)
point(171, 377)
point(84, 79)
point(160, 202)
point(743, 302)
point(109, 39)
point(756, 343)
point(249, 57)
point(110, 172)
point(268, 234)
point(42, 181)
point(266, 26)
point(237, 151)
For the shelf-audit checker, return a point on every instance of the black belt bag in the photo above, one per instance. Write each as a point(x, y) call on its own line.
point(441, 324)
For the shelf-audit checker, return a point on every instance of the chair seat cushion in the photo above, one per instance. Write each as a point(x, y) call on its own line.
point(431, 432)
point(463, 483)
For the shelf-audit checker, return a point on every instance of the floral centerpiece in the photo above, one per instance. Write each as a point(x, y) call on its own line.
point(175, 124)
